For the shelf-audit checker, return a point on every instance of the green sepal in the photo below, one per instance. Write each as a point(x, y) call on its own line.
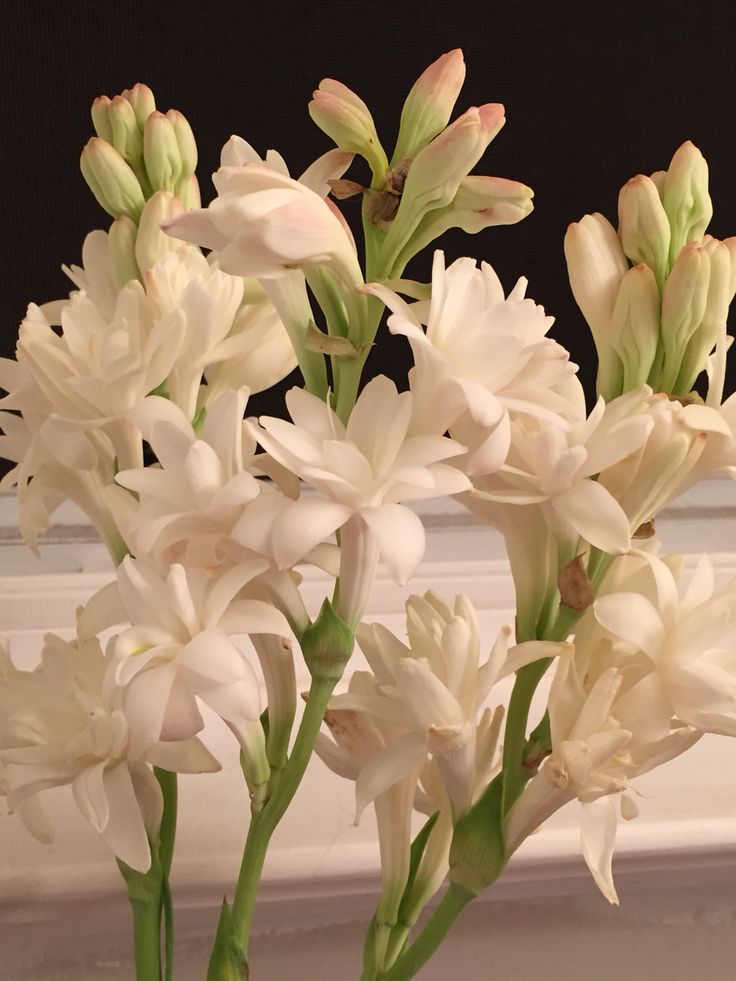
point(418, 847)
point(327, 644)
point(227, 961)
point(478, 851)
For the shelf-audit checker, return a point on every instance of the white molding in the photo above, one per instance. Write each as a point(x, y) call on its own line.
point(321, 867)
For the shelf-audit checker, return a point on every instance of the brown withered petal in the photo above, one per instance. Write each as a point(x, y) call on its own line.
point(342, 188)
point(574, 585)
point(645, 530)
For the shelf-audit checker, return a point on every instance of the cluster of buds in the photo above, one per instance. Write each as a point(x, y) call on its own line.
point(656, 293)
point(140, 168)
point(424, 189)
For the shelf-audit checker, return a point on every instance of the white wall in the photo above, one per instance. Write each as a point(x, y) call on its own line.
point(63, 914)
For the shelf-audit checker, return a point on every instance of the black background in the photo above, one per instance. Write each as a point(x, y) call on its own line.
point(594, 93)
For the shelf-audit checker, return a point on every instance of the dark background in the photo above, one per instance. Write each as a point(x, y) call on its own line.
point(593, 93)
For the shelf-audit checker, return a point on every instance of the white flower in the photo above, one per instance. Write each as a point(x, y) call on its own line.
point(482, 356)
point(185, 282)
point(686, 641)
point(685, 444)
point(363, 470)
point(257, 352)
point(178, 648)
point(555, 468)
point(435, 691)
point(606, 727)
point(67, 727)
point(264, 223)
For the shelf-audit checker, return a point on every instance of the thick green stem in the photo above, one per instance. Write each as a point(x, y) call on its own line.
point(146, 933)
point(429, 939)
point(264, 823)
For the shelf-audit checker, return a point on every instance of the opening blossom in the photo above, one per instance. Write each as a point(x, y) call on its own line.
point(363, 472)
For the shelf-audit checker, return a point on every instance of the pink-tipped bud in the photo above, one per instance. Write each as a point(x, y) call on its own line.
point(185, 141)
point(126, 134)
point(430, 102)
point(685, 197)
point(100, 117)
point(161, 152)
point(346, 119)
point(141, 99)
point(111, 180)
point(644, 228)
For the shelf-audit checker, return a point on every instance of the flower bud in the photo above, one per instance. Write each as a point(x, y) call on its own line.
point(730, 244)
point(429, 104)
point(643, 226)
point(122, 241)
point(346, 119)
point(713, 324)
point(478, 853)
point(635, 325)
point(187, 190)
point(141, 99)
point(438, 169)
point(596, 265)
point(161, 152)
point(100, 118)
point(685, 197)
point(327, 644)
point(111, 180)
point(126, 134)
point(480, 202)
point(152, 242)
point(185, 141)
point(683, 307)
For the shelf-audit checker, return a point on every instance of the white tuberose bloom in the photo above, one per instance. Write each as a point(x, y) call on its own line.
point(686, 640)
point(435, 690)
point(363, 470)
point(178, 648)
point(483, 354)
point(63, 724)
point(555, 469)
point(264, 223)
point(607, 725)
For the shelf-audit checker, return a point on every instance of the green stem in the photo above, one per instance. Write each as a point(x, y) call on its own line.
point(167, 837)
point(264, 823)
point(146, 927)
point(429, 939)
point(527, 680)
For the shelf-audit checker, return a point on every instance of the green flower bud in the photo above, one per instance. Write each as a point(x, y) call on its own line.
point(712, 327)
point(161, 152)
point(644, 229)
point(327, 644)
point(685, 197)
point(635, 325)
point(683, 306)
point(478, 851)
point(187, 190)
point(185, 141)
point(141, 99)
point(347, 120)
point(111, 180)
point(122, 240)
point(126, 135)
point(429, 105)
point(100, 118)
